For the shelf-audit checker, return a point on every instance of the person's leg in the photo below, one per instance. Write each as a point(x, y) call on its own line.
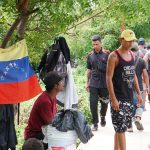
point(149, 97)
point(120, 141)
point(93, 105)
point(121, 120)
point(138, 114)
point(104, 107)
point(116, 143)
point(104, 100)
point(103, 111)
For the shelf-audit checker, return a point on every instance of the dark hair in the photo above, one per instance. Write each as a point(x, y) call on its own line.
point(51, 79)
point(96, 38)
point(33, 144)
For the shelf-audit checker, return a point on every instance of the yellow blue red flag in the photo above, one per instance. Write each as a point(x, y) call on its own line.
point(18, 82)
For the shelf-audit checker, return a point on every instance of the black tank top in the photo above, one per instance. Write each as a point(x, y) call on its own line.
point(123, 78)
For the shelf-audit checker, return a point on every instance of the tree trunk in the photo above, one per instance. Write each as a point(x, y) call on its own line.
point(21, 28)
point(10, 32)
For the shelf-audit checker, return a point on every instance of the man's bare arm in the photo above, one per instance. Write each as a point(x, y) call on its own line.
point(111, 64)
point(137, 89)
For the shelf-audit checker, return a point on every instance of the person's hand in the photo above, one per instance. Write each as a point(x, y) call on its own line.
point(140, 100)
point(115, 105)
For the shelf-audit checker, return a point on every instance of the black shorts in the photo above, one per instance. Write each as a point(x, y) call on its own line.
point(122, 119)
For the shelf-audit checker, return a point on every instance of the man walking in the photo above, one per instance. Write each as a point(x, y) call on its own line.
point(120, 79)
point(96, 81)
point(141, 73)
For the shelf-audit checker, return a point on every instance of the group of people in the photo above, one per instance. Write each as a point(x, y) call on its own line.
point(119, 78)
point(122, 78)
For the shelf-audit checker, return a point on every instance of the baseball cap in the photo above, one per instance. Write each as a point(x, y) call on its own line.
point(128, 35)
point(96, 38)
point(141, 41)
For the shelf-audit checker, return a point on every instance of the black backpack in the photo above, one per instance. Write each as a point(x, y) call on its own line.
point(51, 56)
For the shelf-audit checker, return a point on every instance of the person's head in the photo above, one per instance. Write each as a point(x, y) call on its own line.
point(33, 144)
point(135, 48)
point(96, 42)
point(53, 81)
point(127, 38)
point(141, 41)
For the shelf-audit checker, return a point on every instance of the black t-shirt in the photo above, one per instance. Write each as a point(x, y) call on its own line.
point(139, 69)
point(97, 63)
point(123, 79)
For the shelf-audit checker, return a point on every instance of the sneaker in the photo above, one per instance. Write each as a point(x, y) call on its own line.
point(103, 121)
point(130, 129)
point(138, 124)
point(94, 127)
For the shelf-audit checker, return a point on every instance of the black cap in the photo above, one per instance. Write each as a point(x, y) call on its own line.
point(141, 41)
point(51, 79)
point(96, 38)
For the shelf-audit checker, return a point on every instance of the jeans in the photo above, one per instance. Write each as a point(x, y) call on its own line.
point(95, 96)
point(137, 111)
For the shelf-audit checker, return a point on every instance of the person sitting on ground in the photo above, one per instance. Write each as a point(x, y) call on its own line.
point(33, 144)
point(44, 108)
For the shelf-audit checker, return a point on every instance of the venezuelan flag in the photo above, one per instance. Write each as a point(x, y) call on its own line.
point(18, 82)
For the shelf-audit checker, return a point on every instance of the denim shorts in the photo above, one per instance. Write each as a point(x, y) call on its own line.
point(122, 119)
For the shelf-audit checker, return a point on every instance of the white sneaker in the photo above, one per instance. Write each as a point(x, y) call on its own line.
point(138, 124)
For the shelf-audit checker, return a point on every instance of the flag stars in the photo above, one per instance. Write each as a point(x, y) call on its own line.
point(10, 64)
point(5, 72)
point(2, 77)
point(14, 64)
point(7, 68)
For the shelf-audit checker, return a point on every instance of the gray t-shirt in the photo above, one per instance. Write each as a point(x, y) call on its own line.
point(143, 52)
point(139, 69)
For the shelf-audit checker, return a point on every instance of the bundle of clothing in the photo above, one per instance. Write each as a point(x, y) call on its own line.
point(73, 120)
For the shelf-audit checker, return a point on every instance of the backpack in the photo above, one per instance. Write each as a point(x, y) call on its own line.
point(50, 57)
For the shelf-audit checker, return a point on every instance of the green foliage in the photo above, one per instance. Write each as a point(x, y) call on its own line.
point(110, 42)
point(54, 19)
point(51, 19)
